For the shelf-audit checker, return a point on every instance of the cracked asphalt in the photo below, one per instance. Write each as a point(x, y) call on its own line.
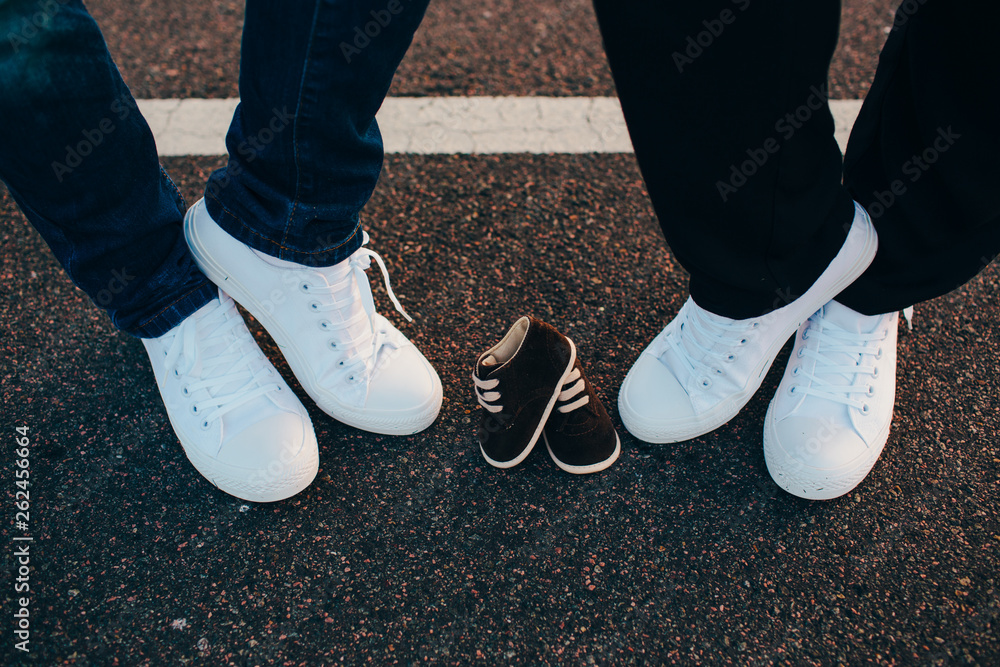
point(413, 550)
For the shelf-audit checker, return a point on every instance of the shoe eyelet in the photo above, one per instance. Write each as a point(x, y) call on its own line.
point(314, 306)
point(878, 354)
point(801, 352)
point(796, 370)
point(871, 390)
point(205, 425)
point(865, 409)
point(754, 325)
point(325, 325)
point(743, 341)
point(340, 363)
point(718, 371)
point(177, 373)
point(805, 334)
point(185, 391)
point(791, 390)
point(350, 378)
point(332, 345)
point(280, 388)
point(304, 287)
point(875, 372)
point(731, 358)
point(194, 409)
point(706, 383)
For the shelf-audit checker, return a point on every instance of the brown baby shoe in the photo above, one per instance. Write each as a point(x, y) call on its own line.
point(579, 434)
point(518, 381)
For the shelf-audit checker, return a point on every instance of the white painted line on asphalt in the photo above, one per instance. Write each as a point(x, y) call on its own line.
point(189, 127)
point(845, 112)
point(429, 125)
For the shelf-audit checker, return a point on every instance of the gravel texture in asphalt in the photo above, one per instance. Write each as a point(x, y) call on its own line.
point(413, 549)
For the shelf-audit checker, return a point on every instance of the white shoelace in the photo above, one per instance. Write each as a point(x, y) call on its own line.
point(698, 340)
point(573, 390)
point(832, 341)
point(357, 349)
point(230, 374)
point(487, 394)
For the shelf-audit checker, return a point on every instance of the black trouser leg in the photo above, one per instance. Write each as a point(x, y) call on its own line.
point(726, 106)
point(924, 156)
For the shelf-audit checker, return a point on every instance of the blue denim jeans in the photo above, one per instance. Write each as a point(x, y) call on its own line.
point(304, 148)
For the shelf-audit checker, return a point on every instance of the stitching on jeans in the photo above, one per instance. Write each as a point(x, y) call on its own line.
point(295, 207)
point(281, 246)
point(177, 192)
point(295, 123)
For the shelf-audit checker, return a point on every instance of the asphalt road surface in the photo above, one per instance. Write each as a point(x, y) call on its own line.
point(412, 550)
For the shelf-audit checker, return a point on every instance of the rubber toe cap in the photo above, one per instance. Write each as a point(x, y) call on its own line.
point(652, 394)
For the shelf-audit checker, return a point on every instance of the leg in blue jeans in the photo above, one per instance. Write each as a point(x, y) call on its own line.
point(305, 151)
point(279, 230)
point(80, 161)
point(305, 156)
point(304, 148)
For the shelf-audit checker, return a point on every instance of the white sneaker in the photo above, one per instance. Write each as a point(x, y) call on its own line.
point(239, 423)
point(830, 417)
point(701, 370)
point(356, 366)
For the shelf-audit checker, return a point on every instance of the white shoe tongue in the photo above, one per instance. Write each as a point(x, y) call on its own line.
point(220, 346)
point(849, 320)
point(214, 343)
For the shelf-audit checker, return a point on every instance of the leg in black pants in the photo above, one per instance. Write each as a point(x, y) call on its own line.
point(724, 106)
point(923, 155)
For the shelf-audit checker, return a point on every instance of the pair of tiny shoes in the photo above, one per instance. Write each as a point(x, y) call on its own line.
point(531, 385)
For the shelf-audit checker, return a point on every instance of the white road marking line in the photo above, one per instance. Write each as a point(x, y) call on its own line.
point(430, 125)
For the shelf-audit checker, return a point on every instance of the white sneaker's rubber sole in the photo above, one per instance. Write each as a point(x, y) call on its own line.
point(388, 424)
point(798, 479)
point(280, 480)
point(841, 272)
